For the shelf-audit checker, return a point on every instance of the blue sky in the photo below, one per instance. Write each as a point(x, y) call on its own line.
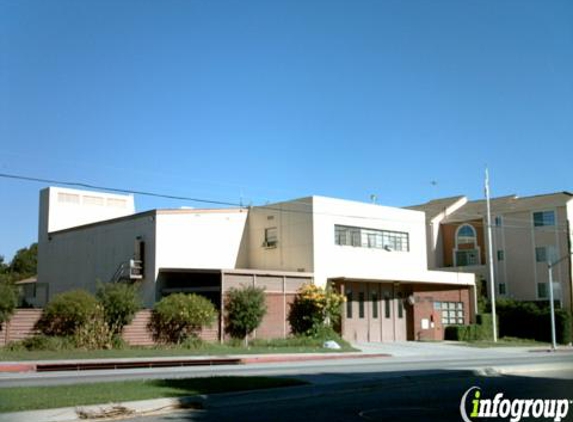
point(272, 100)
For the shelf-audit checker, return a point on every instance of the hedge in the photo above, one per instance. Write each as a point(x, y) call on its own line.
point(483, 330)
point(532, 321)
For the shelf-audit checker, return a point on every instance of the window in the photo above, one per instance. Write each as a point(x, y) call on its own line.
point(502, 289)
point(116, 203)
point(400, 306)
point(68, 198)
point(452, 312)
point(500, 255)
point(545, 253)
point(271, 238)
point(498, 221)
point(466, 234)
point(348, 304)
point(94, 200)
point(371, 238)
point(361, 305)
point(544, 218)
point(374, 298)
point(468, 257)
point(542, 291)
point(386, 306)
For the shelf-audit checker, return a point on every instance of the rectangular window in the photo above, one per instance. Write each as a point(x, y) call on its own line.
point(116, 203)
point(544, 218)
point(500, 255)
point(374, 298)
point(400, 306)
point(452, 312)
point(498, 221)
point(541, 254)
point(387, 307)
point(271, 237)
point(361, 305)
point(502, 289)
point(371, 238)
point(542, 291)
point(94, 200)
point(349, 304)
point(467, 257)
point(68, 198)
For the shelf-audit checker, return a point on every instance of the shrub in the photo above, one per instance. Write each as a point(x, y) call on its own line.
point(180, 315)
point(43, 342)
point(482, 330)
point(532, 321)
point(94, 334)
point(313, 308)
point(120, 302)
point(67, 312)
point(245, 308)
point(8, 301)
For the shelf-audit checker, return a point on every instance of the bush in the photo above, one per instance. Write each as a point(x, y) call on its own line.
point(120, 302)
point(178, 316)
point(67, 312)
point(8, 301)
point(314, 308)
point(532, 321)
point(43, 342)
point(245, 308)
point(94, 334)
point(483, 330)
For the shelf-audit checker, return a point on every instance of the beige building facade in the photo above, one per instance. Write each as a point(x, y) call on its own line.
point(527, 234)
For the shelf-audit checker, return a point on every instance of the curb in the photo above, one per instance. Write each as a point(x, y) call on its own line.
point(295, 358)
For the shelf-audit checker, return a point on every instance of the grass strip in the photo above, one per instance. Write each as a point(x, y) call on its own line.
point(33, 398)
point(143, 352)
point(506, 342)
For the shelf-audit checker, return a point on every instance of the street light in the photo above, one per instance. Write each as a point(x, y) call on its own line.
point(550, 266)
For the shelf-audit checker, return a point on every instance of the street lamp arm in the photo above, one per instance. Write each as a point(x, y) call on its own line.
point(563, 258)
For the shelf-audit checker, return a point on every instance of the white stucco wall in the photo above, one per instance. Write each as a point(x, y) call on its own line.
point(331, 260)
point(201, 239)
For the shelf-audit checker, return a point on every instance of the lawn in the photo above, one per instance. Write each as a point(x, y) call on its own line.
point(291, 345)
point(31, 398)
point(506, 342)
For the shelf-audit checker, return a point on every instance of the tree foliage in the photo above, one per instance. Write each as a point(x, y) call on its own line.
point(179, 316)
point(23, 265)
point(8, 301)
point(120, 302)
point(245, 309)
point(313, 309)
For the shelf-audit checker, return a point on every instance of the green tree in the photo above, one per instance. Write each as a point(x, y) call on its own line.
point(245, 309)
point(120, 302)
point(314, 309)
point(25, 261)
point(8, 301)
point(179, 316)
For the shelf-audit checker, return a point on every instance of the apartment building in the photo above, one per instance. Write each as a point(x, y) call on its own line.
point(375, 255)
point(527, 234)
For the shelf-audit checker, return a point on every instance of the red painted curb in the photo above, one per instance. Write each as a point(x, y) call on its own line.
point(17, 367)
point(302, 358)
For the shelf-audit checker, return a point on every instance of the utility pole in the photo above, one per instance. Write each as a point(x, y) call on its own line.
point(490, 257)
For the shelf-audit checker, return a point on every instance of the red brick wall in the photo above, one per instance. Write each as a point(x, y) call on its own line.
point(423, 308)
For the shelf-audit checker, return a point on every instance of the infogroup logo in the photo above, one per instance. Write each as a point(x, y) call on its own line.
point(514, 409)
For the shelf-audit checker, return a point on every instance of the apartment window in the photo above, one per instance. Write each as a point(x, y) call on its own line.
point(542, 291)
point(544, 218)
point(361, 305)
point(387, 306)
point(271, 237)
point(502, 289)
point(545, 253)
point(500, 255)
point(371, 238)
point(498, 221)
point(349, 304)
point(374, 298)
point(452, 312)
point(466, 258)
point(466, 235)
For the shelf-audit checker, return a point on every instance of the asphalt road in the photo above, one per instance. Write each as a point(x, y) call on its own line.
point(319, 372)
point(430, 398)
